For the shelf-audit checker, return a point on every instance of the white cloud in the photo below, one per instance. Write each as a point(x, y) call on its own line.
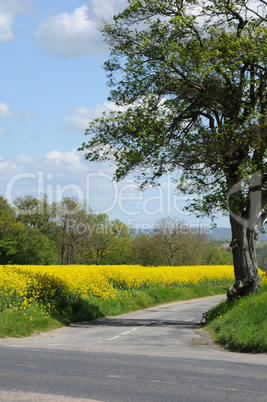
point(71, 161)
point(81, 116)
point(5, 113)
point(104, 9)
point(2, 131)
point(8, 10)
point(6, 33)
point(76, 34)
point(61, 174)
point(58, 174)
point(23, 114)
point(67, 34)
point(15, 6)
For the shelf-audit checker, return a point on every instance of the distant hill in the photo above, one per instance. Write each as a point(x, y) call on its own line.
point(221, 234)
point(225, 234)
point(215, 234)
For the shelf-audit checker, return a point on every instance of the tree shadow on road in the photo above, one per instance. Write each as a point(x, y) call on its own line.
point(118, 322)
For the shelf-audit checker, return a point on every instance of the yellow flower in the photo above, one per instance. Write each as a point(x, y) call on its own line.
point(36, 284)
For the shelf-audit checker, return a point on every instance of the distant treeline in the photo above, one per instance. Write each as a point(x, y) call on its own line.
point(37, 231)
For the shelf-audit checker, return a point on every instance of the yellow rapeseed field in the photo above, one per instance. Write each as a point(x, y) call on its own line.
point(21, 285)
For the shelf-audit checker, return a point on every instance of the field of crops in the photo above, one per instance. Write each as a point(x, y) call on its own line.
point(50, 287)
point(102, 281)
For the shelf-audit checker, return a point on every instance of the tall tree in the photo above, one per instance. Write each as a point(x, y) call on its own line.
point(192, 76)
point(178, 243)
point(145, 251)
point(22, 242)
point(7, 217)
point(37, 213)
point(108, 241)
point(73, 227)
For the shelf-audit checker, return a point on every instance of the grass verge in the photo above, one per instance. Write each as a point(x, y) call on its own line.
point(34, 318)
point(20, 323)
point(240, 326)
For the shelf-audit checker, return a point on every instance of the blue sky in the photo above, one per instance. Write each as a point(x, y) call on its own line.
point(52, 85)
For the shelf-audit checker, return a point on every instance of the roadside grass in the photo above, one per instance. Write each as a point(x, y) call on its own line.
point(240, 326)
point(19, 323)
point(36, 318)
point(39, 298)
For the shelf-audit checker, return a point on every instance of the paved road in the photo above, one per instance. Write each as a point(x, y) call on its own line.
point(157, 354)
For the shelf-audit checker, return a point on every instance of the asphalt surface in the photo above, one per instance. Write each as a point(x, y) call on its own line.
point(157, 354)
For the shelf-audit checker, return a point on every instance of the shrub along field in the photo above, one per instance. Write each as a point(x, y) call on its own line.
point(38, 298)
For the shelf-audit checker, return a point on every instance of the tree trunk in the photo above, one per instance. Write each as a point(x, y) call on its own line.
point(62, 254)
point(245, 261)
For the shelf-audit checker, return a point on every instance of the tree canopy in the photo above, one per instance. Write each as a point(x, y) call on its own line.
point(189, 81)
point(36, 231)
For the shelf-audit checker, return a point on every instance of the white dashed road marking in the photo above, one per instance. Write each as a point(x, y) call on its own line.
point(128, 332)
